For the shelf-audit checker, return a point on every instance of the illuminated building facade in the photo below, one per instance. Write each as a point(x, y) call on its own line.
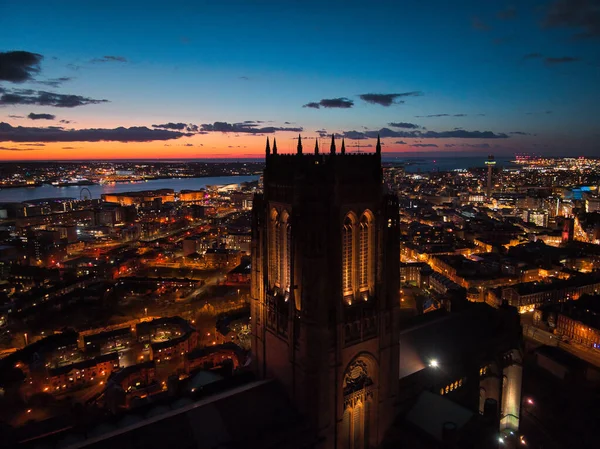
point(579, 320)
point(148, 196)
point(490, 165)
point(325, 284)
point(527, 296)
point(192, 195)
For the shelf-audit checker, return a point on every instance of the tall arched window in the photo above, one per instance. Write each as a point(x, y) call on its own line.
point(365, 252)
point(278, 253)
point(348, 256)
point(274, 249)
point(286, 251)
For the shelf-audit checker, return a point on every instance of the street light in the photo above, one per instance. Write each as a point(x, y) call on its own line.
point(433, 363)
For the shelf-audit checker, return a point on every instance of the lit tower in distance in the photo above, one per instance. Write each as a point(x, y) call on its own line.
point(490, 165)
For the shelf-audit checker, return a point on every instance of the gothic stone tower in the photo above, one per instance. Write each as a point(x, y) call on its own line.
point(325, 284)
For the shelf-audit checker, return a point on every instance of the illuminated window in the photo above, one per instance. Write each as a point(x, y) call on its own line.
point(348, 256)
point(365, 258)
point(274, 249)
point(286, 251)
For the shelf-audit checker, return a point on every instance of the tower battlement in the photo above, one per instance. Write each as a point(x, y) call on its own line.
point(322, 167)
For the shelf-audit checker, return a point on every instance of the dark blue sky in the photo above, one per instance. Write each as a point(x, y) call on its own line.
point(463, 76)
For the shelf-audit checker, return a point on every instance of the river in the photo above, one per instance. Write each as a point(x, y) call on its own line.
point(21, 194)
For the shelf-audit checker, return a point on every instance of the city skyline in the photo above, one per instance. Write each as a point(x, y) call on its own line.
point(214, 79)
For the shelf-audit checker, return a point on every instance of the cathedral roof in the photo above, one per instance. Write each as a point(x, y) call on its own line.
point(257, 414)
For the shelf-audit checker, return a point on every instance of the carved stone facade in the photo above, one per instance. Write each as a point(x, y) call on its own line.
point(325, 285)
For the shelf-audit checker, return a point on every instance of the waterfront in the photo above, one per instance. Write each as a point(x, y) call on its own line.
point(49, 191)
point(445, 163)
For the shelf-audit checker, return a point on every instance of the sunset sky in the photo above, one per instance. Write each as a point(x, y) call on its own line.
point(126, 79)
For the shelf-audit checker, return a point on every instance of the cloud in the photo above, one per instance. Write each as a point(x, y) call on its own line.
point(388, 99)
point(16, 116)
point(70, 148)
point(507, 14)
point(476, 145)
point(312, 104)
point(583, 15)
point(425, 145)
point(10, 133)
point(454, 134)
point(245, 78)
point(67, 121)
point(246, 128)
point(176, 126)
point(519, 133)
point(54, 82)
point(462, 134)
point(533, 56)
point(33, 144)
point(448, 115)
point(17, 149)
point(109, 59)
point(432, 115)
point(450, 145)
point(322, 132)
point(341, 103)
point(561, 60)
point(479, 24)
point(400, 142)
point(43, 98)
point(403, 125)
point(355, 135)
point(34, 116)
point(19, 66)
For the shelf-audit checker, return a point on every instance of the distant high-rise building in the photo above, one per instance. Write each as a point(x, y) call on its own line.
point(540, 218)
point(490, 165)
point(325, 286)
point(592, 204)
point(568, 230)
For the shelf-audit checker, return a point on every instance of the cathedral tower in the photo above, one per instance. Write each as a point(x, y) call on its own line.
point(325, 284)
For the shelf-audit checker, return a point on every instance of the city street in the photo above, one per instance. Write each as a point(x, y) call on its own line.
point(590, 355)
point(210, 280)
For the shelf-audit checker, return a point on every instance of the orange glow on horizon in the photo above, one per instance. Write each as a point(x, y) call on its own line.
point(206, 146)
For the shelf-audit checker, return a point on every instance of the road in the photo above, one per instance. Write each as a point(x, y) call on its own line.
point(211, 280)
point(590, 355)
